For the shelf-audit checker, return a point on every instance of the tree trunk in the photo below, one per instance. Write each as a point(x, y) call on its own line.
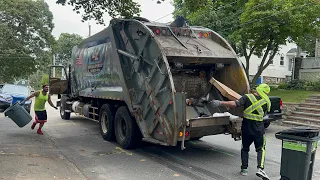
point(263, 66)
point(297, 67)
point(247, 68)
point(247, 56)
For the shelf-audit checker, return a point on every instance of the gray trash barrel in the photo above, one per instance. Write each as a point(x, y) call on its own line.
point(299, 147)
point(18, 114)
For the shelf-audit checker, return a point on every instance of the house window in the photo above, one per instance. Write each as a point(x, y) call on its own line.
point(281, 60)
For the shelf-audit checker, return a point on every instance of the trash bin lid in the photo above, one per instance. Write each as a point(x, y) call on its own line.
point(302, 131)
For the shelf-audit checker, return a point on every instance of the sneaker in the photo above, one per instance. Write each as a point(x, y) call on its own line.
point(261, 174)
point(33, 125)
point(244, 172)
point(40, 132)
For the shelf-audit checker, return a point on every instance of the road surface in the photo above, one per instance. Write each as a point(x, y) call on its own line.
point(74, 149)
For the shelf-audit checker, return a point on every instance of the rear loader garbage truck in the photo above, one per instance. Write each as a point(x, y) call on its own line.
point(152, 81)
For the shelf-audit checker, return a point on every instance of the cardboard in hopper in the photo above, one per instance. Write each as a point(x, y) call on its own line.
point(225, 90)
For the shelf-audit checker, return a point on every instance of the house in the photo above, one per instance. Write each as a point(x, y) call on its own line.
point(280, 69)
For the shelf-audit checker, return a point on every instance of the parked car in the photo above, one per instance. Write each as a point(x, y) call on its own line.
point(11, 93)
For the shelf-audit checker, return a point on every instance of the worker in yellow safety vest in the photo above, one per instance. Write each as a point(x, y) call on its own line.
point(41, 97)
point(253, 131)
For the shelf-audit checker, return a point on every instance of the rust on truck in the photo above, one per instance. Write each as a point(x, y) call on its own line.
point(157, 73)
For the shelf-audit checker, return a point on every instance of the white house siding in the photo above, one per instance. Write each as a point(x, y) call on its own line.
point(274, 73)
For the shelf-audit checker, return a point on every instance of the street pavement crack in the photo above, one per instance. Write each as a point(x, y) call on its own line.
point(66, 158)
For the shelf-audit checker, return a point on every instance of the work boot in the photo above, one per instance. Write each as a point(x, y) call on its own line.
point(33, 125)
point(261, 174)
point(244, 172)
point(40, 132)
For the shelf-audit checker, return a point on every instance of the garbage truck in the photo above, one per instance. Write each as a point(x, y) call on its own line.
point(151, 81)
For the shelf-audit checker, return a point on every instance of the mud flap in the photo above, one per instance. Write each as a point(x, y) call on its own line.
point(180, 116)
point(235, 128)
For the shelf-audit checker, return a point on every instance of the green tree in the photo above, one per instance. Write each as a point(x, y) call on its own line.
point(25, 37)
point(255, 26)
point(63, 47)
point(37, 79)
point(308, 42)
point(45, 79)
point(94, 9)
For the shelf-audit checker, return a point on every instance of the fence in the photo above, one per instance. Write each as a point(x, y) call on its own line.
point(310, 62)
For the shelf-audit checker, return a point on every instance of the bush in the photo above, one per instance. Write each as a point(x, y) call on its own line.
point(297, 85)
point(283, 86)
point(316, 86)
point(301, 85)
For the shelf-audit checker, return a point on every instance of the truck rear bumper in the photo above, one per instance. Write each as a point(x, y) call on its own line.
point(205, 126)
point(272, 117)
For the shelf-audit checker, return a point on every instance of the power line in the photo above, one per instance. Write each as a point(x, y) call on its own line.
point(268, 16)
point(163, 16)
point(20, 57)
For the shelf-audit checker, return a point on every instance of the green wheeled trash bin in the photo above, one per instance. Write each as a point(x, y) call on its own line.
point(299, 147)
point(18, 114)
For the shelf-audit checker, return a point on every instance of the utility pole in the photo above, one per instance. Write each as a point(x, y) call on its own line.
point(89, 29)
point(54, 69)
point(298, 54)
point(317, 49)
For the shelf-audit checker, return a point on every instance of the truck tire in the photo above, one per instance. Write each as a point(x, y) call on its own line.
point(126, 129)
point(106, 122)
point(64, 115)
point(266, 124)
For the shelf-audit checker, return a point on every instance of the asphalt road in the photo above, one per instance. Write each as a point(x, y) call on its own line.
point(74, 149)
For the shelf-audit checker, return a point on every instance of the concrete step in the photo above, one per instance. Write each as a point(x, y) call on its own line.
point(306, 115)
point(312, 100)
point(304, 120)
point(308, 110)
point(309, 105)
point(300, 124)
point(315, 96)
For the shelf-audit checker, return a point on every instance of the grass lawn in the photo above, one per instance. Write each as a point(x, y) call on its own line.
point(292, 95)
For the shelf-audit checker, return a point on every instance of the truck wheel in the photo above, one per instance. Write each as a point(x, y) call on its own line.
point(126, 129)
point(64, 115)
point(266, 125)
point(106, 123)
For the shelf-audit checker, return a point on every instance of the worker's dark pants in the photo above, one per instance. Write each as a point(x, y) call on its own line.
point(259, 143)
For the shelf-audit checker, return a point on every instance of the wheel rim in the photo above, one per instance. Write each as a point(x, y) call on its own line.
point(104, 122)
point(122, 128)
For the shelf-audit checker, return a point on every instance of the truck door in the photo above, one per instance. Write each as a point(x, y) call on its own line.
point(58, 80)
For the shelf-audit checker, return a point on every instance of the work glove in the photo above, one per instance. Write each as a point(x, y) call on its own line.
point(215, 103)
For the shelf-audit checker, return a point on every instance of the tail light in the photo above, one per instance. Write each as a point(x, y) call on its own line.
point(280, 103)
point(158, 31)
point(186, 134)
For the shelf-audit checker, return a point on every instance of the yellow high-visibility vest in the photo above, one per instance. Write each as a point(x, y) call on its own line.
point(255, 105)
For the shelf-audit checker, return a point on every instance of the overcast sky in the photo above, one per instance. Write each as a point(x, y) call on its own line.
point(67, 21)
